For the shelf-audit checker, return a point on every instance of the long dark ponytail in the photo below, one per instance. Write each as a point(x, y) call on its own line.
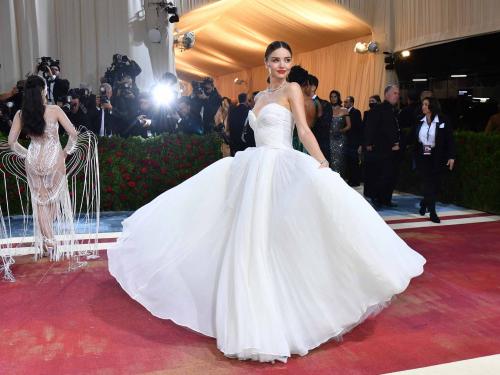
point(33, 107)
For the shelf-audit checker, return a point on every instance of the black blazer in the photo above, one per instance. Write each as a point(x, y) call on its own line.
point(382, 129)
point(61, 89)
point(354, 137)
point(444, 148)
point(236, 118)
point(95, 116)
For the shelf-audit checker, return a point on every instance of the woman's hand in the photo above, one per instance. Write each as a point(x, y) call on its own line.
point(324, 164)
point(450, 164)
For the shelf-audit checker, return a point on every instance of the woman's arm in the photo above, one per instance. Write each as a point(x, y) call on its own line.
point(306, 136)
point(70, 129)
point(15, 130)
point(347, 126)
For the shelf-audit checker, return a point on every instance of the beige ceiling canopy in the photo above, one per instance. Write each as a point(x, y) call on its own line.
point(231, 35)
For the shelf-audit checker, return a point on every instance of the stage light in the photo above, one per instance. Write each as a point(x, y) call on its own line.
point(481, 100)
point(373, 47)
point(164, 94)
point(389, 61)
point(168, 7)
point(185, 41)
point(458, 75)
point(360, 47)
point(419, 79)
point(405, 54)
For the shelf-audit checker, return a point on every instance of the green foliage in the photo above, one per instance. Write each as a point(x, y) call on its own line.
point(134, 171)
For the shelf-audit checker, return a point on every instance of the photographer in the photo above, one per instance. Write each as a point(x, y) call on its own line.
point(9, 94)
point(125, 109)
point(206, 101)
point(190, 121)
point(5, 122)
point(164, 97)
point(120, 67)
point(57, 88)
point(146, 123)
point(76, 112)
point(14, 99)
point(102, 120)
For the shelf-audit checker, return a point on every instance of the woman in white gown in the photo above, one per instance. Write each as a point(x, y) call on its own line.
point(270, 252)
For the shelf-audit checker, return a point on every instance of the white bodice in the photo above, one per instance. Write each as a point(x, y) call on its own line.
point(273, 127)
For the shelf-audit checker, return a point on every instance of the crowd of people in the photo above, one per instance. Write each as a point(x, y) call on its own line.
point(364, 147)
point(119, 108)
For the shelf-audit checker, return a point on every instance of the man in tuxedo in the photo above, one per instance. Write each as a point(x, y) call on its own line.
point(236, 120)
point(321, 127)
point(382, 146)
point(369, 164)
point(354, 139)
point(57, 88)
point(77, 114)
point(101, 117)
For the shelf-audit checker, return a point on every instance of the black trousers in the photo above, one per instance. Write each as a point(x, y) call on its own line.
point(385, 176)
point(430, 177)
point(369, 174)
point(353, 168)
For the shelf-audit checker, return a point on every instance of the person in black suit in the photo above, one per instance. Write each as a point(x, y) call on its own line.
point(236, 119)
point(77, 114)
point(382, 147)
point(434, 148)
point(354, 139)
point(101, 118)
point(369, 163)
point(57, 88)
point(408, 115)
point(190, 121)
point(321, 127)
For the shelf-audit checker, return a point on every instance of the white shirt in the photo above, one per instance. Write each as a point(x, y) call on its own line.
point(102, 131)
point(427, 134)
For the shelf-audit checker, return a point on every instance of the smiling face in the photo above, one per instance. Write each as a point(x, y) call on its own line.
point(279, 63)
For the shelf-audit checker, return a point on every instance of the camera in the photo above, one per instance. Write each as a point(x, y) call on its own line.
point(104, 98)
point(66, 103)
point(44, 66)
point(120, 59)
point(20, 86)
point(5, 110)
point(121, 67)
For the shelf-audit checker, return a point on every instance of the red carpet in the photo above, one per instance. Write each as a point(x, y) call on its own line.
point(54, 322)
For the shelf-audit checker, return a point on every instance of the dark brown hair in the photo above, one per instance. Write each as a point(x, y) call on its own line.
point(434, 106)
point(33, 107)
point(274, 46)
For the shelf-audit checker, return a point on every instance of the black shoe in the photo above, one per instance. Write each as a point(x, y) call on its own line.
point(423, 208)
point(434, 217)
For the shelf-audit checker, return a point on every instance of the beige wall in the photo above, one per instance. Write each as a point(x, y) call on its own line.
point(336, 66)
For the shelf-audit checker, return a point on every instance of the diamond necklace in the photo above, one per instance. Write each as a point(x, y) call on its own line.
point(277, 88)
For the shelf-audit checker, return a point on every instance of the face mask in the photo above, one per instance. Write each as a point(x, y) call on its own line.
point(372, 105)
